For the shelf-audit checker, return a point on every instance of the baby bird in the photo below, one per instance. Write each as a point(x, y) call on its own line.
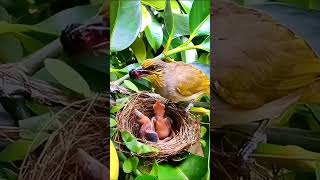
point(147, 128)
point(162, 124)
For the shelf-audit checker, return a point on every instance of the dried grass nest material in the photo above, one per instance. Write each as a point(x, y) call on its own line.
point(185, 126)
point(81, 125)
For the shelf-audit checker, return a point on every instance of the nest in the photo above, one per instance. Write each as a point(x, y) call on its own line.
point(186, 126)
point(82, 125)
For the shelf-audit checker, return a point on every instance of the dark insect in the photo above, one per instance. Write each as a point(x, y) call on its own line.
point(77, 38)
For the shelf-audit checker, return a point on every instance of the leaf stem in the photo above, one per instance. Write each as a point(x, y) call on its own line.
point(181, 48)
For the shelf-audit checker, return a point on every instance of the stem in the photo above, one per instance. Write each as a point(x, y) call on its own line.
point(34, 62)
point(182, 48)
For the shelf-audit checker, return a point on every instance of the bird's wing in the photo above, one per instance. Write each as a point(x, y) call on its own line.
point(191, 80)
point(258, 60)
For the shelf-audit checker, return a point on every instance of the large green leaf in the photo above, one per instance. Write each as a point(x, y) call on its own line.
point(139, 49)
point(125, 23)
point(157, 5)
point(154, 35)
point(146, 18)
point(17, 150)
point(55, 23)
point(59, 21)
point(169, 23)
point(199, 14)
point(181, 22)
point(67, 77)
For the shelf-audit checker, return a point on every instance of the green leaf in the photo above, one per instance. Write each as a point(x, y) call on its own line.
point(181, 23)
point(205, 45)
point(199, 14)
point(203, 131)
point(11, 50)
point(157, 5)
point(134, 162)
point(204, 59)
point(135, 146)
point(68, 77)
point(146, 177)
point(56, 23)
point(113, 122)
point(29, 44)
point(139, 50)
point(127, 166)
point(186, 5)
point(169, 23)
point(154, 169)
point(146, 18)
point(125, 23)
point(290, 157)
point(154, 35)
point(189, 56)
point(34, 125)
point(18, 149)
point(130, 85)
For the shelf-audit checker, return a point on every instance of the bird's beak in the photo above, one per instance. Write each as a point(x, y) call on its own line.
point(138, 73)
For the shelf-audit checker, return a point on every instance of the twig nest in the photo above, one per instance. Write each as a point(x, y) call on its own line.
point(185, 126)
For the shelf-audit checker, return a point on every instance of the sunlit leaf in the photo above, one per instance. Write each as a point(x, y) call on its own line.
point(113, 122)
point(131, 86)
point(154, 35)
point(199, 14)
point(146, 18)
point(146, 177)
point(139, 50)
point(127, 166)
point(186, 5)
point(125, 23)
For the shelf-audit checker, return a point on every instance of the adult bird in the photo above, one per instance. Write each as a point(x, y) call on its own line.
point(174, 81)
point(261, 67)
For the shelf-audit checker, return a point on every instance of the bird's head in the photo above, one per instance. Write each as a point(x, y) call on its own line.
point(149, 68)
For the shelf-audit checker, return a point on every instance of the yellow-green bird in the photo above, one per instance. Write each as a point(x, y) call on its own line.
point(176, 81)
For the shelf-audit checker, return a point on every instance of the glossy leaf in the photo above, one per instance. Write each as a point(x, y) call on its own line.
point(203, 131)
point(181, 22)
point(131, 86)
point(157, 5)
point(186, 5)
point(134, 162)
point(169, 23)
point(199, 14)
point(127, 166)
point(125, 23)
point(205, 45)
point(113, 122)
point(189, 56)
point(135, 146)
point(67, 77)
point(204, 59)
point(154, 169)
point(146, 18)
point(154, 35)
point(139, 50)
